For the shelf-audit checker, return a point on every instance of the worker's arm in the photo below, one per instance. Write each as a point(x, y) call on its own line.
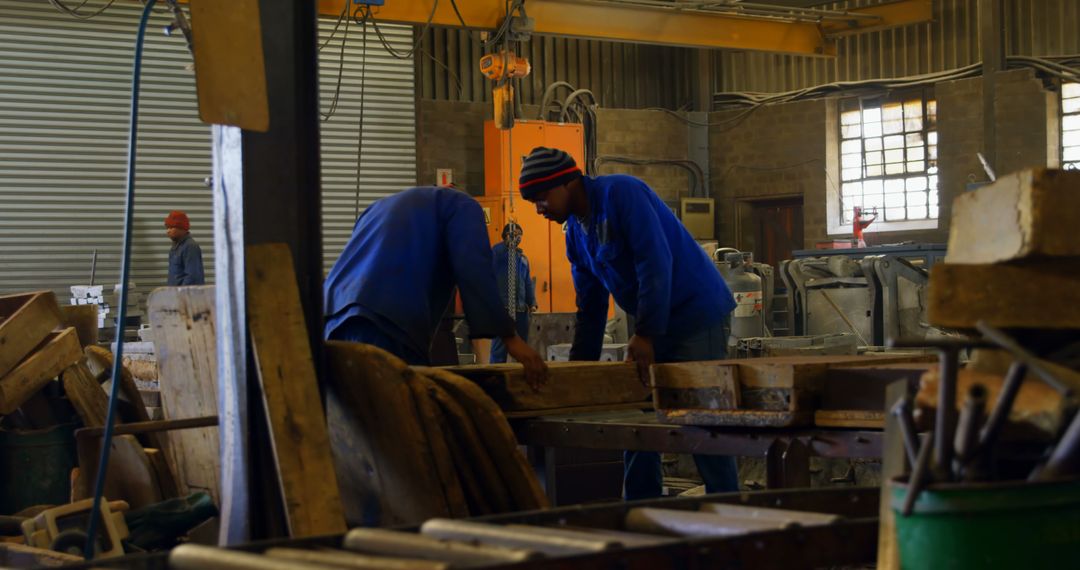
point(640, 228)
point(471, 262)
point(530, 286)
point(191, 257)
point(592, 308)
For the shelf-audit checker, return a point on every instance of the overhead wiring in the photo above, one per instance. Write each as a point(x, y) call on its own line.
point(341, 68)
point(363, 91)
point(75, 13)
point(367, 13)
point(697, 175)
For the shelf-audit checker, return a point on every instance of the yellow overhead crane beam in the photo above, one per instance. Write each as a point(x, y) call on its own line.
point(653, 23)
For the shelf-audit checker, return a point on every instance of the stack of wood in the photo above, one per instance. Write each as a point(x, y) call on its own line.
point(413, 443)
point(1013, 258)
point(51, 373)
point(1014, 263)
point(780, 391)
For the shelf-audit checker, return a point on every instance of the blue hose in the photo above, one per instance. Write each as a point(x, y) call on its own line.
point(125, 270)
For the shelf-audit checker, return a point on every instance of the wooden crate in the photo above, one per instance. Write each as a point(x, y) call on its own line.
point(780, 391)
point(570, 386)
point(60, 350)
point(25, 320)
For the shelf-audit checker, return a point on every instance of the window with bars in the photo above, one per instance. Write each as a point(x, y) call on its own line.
point(888, 158)
point(1070, 125)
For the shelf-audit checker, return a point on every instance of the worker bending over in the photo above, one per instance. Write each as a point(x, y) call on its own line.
point(524, 288)
point(623, 240)
point(395, 277)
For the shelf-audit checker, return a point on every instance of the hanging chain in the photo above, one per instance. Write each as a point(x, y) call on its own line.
point(513, 237)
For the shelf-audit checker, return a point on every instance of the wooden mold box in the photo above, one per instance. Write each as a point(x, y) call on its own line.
point(570, 385)
point(781, 391)
point(58, 351)
point(25, 320)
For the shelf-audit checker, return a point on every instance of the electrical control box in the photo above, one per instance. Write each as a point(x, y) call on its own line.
point(699, 217)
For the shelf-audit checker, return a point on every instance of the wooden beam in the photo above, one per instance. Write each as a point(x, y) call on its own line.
point(286, 371)
point(570, 384)
point(1034, 295)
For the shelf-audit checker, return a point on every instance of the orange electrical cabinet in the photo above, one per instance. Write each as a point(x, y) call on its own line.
point(543, 241)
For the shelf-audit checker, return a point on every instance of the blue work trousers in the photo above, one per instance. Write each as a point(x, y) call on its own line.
point(498, 347)
point(643, 476)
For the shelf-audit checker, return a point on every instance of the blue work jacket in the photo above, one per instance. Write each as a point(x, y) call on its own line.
point(524, 288)
point(406, 254)
point(185, 263)
point(634, 247)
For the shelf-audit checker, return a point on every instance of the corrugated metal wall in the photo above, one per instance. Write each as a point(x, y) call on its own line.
point(1033, 27)
point(622, 75)
point(389, 149)
point(64, 103)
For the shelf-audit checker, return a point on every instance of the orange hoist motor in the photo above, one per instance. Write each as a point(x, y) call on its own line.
point(503, 68)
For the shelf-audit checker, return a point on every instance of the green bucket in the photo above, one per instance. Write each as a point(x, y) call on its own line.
point(35, 467)
point(990, 525)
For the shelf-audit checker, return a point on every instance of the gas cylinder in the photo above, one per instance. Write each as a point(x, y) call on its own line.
point(747, 320)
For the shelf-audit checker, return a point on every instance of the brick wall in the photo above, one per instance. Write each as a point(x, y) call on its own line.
point(782, 150)
point(774, 151)
point(649, 135)
point(450, 134)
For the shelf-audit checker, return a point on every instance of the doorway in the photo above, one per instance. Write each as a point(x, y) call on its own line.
point(771, 228)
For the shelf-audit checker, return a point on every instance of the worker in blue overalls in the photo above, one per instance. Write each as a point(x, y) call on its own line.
point(524, 288)
point(395, 277)
point(623, 240)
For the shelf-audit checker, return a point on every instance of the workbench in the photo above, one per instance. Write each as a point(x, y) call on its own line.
point(786, 452)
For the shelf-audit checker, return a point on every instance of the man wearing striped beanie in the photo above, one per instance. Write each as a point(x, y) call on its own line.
point(623, 240)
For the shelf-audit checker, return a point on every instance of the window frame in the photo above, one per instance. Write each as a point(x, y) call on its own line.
point(836, 225)
point(1065, 163)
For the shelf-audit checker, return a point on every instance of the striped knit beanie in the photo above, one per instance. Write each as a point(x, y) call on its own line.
point(544, 169)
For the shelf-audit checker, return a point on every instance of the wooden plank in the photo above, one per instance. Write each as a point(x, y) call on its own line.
point(57, 352)
point(498, 437)
point(84, 318)
point(706, 385)
point(385, 474)
point(25, 321)
point(85, 393)
point(1043, 295)
point(735, 418)
point(1026, 214)
point(232, 85)
point(850, 418)
point(437, 429)
point(1037, 411)
point(579, 410)
point(184, 323)
point(100, 361)
point(130, 476)
point(166, 480)
point(774, 383)
point(569, 384)
point(285, 368)
point(484, 484)
point(863, 387)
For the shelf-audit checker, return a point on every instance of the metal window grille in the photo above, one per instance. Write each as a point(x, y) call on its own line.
point(1070, 125)
point(888, 158)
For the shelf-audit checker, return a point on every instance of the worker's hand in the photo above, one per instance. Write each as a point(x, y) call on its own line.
point(640, 350)
point(534, 308)
point(535, 367)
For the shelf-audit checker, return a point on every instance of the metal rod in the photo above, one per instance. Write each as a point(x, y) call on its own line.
point(1020, 353)
point(93, 267)
point(151, 426)
point(966, 442)
point(955, 343)
point(945, 422)
point(1065, 459)
point(918, 474)
point(1009, 389)
point(903, 412)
